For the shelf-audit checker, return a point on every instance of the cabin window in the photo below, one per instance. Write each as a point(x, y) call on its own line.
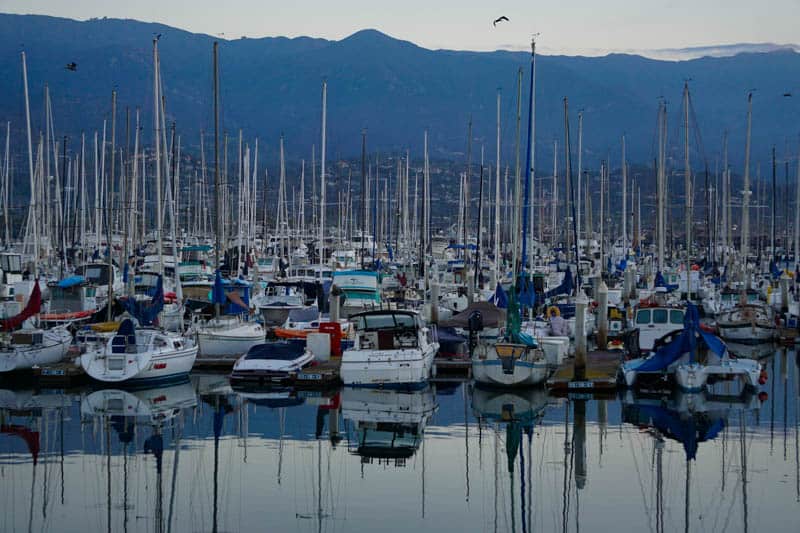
point(659, 316)
point(643, 317)
point(676, 317)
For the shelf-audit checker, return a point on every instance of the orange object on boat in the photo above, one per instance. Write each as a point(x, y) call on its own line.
point(289, 333)
point(75, 315)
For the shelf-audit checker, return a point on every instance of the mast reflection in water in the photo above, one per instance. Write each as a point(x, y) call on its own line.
point(199, 456)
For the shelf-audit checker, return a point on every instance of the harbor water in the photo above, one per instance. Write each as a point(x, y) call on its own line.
point(199, 456)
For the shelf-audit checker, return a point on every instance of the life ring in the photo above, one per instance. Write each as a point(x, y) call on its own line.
point(553, 310)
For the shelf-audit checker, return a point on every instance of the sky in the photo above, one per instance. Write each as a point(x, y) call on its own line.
point(585, 27)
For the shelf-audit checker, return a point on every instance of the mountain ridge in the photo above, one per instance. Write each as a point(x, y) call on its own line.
point(392, 87)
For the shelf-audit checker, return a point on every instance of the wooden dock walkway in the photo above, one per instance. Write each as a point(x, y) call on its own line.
point(601, 375)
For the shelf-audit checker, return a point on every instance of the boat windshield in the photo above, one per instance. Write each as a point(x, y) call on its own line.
point(384, 321)
point(276, 351)
point(94, 274)
point(11, 262)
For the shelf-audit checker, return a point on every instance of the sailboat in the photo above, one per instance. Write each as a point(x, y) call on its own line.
point(230, 336)
point(691, 358)
point(513, 358)
point(30, 346)
point(146, 355)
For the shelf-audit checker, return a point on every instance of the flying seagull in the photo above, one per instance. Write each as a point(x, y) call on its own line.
point(501, 19)
point(72, 66)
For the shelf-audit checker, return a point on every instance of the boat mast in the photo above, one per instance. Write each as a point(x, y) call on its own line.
point(516, 232)
point(661, 178)
point(497, 195)
point(363, 192)
point(578, 195)
point(526, 210)
point(110, 204)
point(30, 169)
point(746, 195)
point(796, 217)
point(322, 174)
point(774, 202)
point(7, 178)
point(687, 183)
point(532, 147)
point(624, 201)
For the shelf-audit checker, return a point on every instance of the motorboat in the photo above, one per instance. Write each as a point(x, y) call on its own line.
point(278, 300)
point(391, 348)
point(361, 290)
point(654, 321)
point(271, 362)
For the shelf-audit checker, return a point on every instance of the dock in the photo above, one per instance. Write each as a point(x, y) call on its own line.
point(61, 375)
point(601, 376)
point(322, 375)
point(451, 369)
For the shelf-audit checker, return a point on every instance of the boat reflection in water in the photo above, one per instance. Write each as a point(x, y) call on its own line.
point(519, 410)
point(691, 419)
point(751, 351)
point(387, 425)
point(156, 404)
point(127, 413)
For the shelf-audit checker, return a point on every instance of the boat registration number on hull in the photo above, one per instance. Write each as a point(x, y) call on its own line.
point(581, 385)
point(311, 376)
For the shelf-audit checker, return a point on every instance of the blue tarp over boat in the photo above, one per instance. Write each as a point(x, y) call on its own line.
point(686, 342)
point(71, 281)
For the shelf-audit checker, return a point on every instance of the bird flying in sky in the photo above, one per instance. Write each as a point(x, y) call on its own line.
point(500, 19)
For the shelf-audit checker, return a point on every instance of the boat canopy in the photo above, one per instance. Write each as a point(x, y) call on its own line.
point(493, 317)
point(71, 281)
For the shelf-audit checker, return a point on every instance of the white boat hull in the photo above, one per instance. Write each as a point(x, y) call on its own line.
point(408, 367)
point(693, 377)
point(229, 343)
point(747, 333)
point(529, 369)
point(54, 346)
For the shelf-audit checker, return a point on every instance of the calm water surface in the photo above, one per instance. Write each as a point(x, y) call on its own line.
point(201, 457)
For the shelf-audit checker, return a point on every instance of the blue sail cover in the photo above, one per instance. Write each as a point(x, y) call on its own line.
point(527, 295)
point(686, 342)
point(218, 291)
point(661, 282)
point(146, 311)
point(566, 286)
point(774, 270)
point(499, 298)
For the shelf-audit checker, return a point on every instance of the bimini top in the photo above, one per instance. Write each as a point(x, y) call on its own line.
point(493, 317)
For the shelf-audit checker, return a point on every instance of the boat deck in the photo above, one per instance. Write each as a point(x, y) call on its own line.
point(601, 375)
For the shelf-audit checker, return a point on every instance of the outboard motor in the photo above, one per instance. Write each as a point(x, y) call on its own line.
point(474, 325)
